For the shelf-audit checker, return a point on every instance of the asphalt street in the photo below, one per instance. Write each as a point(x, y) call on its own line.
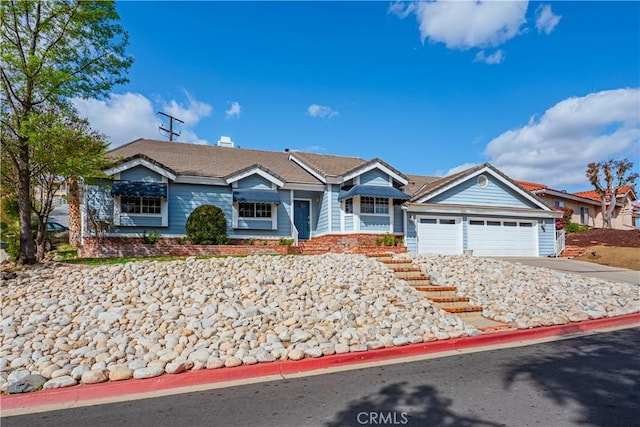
point(590, 380)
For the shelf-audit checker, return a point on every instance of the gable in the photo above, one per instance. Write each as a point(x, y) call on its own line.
point(254, 181)
point(495, 193)
point(375, 177)
point(140, 173)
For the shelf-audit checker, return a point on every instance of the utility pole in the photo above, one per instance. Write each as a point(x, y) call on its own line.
point(170, 130)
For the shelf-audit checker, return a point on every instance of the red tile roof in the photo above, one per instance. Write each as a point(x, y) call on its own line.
point(530, 186)
point(593, 195)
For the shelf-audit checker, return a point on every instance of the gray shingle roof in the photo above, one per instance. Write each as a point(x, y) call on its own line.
point(329, 165)
point(213, 161)
point(417, 182)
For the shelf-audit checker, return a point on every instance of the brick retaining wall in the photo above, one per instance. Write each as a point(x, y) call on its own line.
point(119, 247)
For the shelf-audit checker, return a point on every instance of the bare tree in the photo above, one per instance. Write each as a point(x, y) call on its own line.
point(616, 174)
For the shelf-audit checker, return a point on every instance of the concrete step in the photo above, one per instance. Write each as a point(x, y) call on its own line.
point(408, 273)
point(438, 291)
point(451, 302)
point(468, 311)
point(419, 281)
point(396, 263)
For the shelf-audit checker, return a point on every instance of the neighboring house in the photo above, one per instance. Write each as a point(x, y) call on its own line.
point(586, 205)
point(585, 210)
point(623, 215)
point(270, 195)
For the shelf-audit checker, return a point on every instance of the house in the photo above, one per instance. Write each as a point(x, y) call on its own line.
point(623, 214)
point(155, 185)
point(586, 205)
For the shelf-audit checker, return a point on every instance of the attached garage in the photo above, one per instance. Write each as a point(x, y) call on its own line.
point(440, 235)
point(502, 237)
point(481, 210)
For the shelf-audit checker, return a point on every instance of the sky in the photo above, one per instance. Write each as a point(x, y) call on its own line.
point(538, 89)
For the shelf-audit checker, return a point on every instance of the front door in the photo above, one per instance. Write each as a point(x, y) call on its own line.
point(302, 218)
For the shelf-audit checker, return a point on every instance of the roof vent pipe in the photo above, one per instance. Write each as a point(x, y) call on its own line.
point(226, 141)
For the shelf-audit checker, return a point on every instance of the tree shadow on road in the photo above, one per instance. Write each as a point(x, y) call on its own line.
point(601, 374)
point(399, 404)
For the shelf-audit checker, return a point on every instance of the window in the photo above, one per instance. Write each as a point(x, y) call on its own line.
point(558, 204)
point(374, 205)
point(348, 206)
point(254, 210)
point(447, 221)
point(476, 222)
point(584, 216)
point(139, 205)
point(483, 181)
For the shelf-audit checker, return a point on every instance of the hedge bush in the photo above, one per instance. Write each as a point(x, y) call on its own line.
point(207, 226)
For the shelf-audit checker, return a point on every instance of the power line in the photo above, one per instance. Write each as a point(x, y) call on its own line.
point(170, 130)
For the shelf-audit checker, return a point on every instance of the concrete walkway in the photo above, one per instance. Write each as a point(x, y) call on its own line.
point(583, 268)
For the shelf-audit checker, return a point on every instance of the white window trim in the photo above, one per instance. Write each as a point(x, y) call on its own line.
point(236, 217)
point(390, 205)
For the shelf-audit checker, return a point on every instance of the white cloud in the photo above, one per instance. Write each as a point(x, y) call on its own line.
point(191, 113)
point(321, 111)
point(546, 20)
point(460, 168)
point(495, 58)
point(556, 148)
point(129, 116)
point(234, 110)
point(466, 24)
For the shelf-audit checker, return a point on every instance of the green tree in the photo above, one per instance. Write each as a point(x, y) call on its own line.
point(616, 175)
point(51, 51)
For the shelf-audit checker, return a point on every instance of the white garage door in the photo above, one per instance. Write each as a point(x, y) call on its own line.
point(440, 236)
point(502, 237)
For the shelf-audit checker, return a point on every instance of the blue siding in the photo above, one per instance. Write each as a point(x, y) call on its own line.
point(494, 194)
point(323, 215)
point(374, 223)
point(398, 219)
point(140, 221)
point(547, 238)
point(98, 197)
point(184, 198)
point(411, 239)
point(375, 177)
point(253, 224)
point(335, 208)
point(348, 222)
point(254, 181)
point(140, 173)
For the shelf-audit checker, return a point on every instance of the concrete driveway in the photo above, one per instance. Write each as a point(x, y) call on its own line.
point(583, 268)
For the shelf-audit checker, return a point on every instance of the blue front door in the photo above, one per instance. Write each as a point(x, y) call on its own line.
point(302, 218)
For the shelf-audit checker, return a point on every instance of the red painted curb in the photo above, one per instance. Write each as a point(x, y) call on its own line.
point(87, 393)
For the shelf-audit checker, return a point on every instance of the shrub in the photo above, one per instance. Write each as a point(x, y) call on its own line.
point(389, 239)
point(151, 238)
point(574, 227)
point(10, 234)
point(222, 240)
point(379, 240)
point(181, 240)
point(286, 242)
point(207, 226)
point(566, 218)
point(250, 241)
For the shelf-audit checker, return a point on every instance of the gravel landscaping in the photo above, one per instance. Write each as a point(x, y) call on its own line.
point(69, 324)
point(529, 296)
